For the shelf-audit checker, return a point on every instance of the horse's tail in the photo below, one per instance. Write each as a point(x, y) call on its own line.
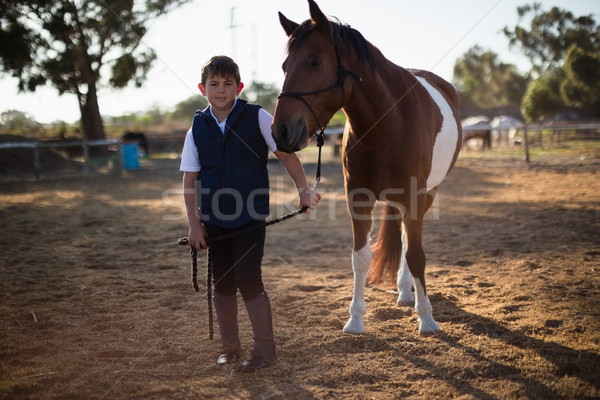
point(387, 249)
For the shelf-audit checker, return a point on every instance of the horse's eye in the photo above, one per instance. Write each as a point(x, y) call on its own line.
point(315, 63)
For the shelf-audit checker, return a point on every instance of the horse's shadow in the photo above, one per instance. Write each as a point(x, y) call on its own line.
point(567, 362)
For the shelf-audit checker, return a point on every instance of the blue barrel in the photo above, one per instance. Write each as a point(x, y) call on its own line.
point(131, 160)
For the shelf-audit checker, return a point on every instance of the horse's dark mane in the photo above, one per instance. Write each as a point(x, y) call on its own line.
point(349, 36)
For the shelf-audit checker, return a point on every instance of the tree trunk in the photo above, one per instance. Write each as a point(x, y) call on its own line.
point(91, 121)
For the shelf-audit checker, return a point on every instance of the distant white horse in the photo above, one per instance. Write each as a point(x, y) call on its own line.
point(504, 129)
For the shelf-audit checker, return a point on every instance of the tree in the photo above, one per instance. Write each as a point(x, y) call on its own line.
point(185, 110)
point(558, 40)
point(262, 93)
point(18, 122)
point(542, 98)
point(551, 34)
point(484, 81)
point(72, 44)
point(581, 86)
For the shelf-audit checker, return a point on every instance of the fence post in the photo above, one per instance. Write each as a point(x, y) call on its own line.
point(36, 160)
point(526, 144)
point(119, 161)
point(86, 157)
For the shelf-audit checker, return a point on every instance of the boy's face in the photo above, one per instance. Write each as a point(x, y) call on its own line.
point(221, 91)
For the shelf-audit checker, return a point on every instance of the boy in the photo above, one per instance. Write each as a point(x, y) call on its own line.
point(226, 187)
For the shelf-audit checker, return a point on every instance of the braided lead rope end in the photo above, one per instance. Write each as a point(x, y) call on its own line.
point(194, 259)
point(184, 241)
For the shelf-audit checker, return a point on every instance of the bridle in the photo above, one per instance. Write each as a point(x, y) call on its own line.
point(342, 72)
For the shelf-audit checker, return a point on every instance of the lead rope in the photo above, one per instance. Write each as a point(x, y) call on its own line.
point(209, 269)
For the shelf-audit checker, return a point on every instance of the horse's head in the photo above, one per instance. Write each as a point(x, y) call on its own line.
point(312, 71)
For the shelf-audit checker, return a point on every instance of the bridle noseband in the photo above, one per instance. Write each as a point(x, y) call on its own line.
point(342, 72)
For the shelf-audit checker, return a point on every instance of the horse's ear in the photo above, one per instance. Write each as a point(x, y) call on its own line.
point(288, 26)
point(319, 18)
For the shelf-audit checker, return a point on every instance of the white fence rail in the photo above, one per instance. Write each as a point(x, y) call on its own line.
point(592, 128)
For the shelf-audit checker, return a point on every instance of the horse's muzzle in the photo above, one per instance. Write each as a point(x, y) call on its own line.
point(290, 138)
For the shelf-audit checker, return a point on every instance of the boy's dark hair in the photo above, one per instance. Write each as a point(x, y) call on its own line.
point(222, 66)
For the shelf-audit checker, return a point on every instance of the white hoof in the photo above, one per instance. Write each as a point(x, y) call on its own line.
point(406, 298)
point(354, 326)
point(428, 326)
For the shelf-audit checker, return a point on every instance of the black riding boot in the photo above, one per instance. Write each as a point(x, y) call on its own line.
point(226, 308)
point(263, 354)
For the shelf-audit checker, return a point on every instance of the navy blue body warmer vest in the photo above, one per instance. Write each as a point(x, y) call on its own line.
point(233, 183)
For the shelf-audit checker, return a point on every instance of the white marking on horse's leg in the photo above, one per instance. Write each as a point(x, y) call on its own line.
point(427, 324)
point(361, 260)
point(405, 285)
point(405, 280)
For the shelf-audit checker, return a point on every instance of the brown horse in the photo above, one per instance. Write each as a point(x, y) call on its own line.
point(402, 137)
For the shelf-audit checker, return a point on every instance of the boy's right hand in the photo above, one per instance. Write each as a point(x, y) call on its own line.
point(309, 197)
point(197, 237)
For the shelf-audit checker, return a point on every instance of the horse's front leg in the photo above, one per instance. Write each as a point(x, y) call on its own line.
point(361, 260)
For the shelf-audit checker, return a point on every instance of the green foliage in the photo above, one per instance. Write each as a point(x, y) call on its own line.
point(583, 66)
point(581, 86)
point(262, 93)
point(127, 68)
point(550, 34)
point(185, 110)
point(558, 40)
point(542, 98)
point(338, 120)
point(68, 42)
point(484, 81)
point(137, 121)
point(18, 122)
point(77, 46)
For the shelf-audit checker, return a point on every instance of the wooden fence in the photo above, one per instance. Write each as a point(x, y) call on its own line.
point(591, 129)
point(36, 146)
point(558, 130)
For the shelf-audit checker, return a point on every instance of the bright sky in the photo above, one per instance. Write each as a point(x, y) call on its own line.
point(425, 34)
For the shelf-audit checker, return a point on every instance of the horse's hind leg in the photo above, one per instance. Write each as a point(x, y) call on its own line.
point(415, 257)
point(361, 260)
point(405, 281)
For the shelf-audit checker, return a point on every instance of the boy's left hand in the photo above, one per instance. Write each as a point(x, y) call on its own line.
point(309, 197)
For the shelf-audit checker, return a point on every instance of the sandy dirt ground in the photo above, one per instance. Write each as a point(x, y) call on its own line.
point(97, 302)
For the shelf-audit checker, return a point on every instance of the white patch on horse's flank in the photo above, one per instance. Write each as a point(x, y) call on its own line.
point(445, 141)
point(361, 260)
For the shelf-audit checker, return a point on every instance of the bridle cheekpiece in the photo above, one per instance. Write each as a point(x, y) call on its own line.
point(342, 72)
